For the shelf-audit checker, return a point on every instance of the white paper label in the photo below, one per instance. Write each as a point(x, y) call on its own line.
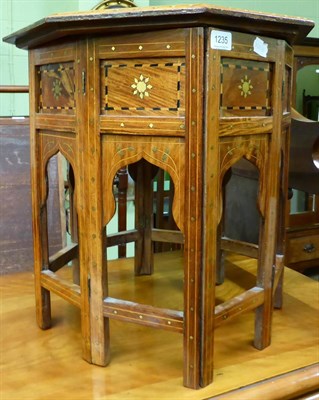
point(260, 47)
point(221, 40)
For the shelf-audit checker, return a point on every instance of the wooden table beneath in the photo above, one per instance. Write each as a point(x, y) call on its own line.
point(47, 364)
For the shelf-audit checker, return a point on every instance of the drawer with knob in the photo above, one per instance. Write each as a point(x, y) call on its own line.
point(304, 248)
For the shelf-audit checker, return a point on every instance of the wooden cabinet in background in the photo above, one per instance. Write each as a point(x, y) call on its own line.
point(16, 244)
point(302, 220)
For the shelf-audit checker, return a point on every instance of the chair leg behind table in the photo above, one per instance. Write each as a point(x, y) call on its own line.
point(283, 213)
point(263, 313)
point(41, 262)
point(73, 224)
point(40, 239)
point(143, 174)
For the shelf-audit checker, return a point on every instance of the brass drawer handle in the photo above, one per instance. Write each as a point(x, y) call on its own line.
point(309, 248)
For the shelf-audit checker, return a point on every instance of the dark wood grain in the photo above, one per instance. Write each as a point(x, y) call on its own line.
point(15, 196)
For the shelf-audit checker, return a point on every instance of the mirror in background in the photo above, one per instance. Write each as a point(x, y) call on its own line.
point(307, 104)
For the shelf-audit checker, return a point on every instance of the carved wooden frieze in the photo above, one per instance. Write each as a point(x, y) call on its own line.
point(143, 87)
point(49, 145)
point(56, 88)
point(245, 87)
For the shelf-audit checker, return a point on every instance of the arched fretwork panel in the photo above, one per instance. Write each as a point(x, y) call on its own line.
point(241, 214)
point(59, 203)
point(49, 146)
point(55, 220)
point(119, 151)
point(255, 150)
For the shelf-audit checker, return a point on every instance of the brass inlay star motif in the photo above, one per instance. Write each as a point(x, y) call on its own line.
point(56, 89)
point(245, 86)
point(141, 86)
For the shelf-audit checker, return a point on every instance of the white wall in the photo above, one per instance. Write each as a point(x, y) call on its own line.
point(15, 15)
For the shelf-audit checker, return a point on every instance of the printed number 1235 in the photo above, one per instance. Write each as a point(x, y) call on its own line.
point(221, 40)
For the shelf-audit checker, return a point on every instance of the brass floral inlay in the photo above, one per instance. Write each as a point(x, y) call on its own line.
point(166, 154)
point(245, 86)
point(56, 89)
point(141, 86)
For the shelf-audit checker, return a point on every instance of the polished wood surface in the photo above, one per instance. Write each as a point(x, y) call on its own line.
point(301, 382)
point(147, 363)
point(14, 89)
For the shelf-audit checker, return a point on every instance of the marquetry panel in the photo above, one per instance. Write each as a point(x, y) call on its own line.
point(119, 151)
point(245, 87)
point(56, 88)
point(147, 87)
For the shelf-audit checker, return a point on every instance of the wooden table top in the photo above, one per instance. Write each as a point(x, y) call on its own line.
point(147, 363)
point(136, 19)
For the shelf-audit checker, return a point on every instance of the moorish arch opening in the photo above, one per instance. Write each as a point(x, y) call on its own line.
point(241, 214)
point(61, 215)
point(164, 191)
point(143, 223)
point(241, 218)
